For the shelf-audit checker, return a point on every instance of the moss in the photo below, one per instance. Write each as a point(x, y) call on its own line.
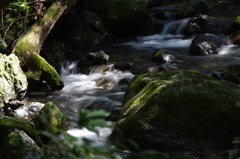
point(183, 103)
point(8, 124)
point(237, 20)
point(50, 119)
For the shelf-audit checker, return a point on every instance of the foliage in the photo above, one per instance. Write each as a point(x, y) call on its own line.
point(69, 146)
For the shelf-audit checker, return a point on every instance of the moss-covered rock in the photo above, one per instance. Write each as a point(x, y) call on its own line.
point(19, 145)
point(191, 8)
point(126, 16)
point(163, 56)
point(226, 75)
point(13, 85)
point(50, 119)
point(9, 124)
point(179, 111)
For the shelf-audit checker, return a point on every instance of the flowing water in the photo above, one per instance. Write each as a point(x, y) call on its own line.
point(81, 90)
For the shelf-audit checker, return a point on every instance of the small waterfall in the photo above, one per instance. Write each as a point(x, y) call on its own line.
point(69, 67)
point(175, 27)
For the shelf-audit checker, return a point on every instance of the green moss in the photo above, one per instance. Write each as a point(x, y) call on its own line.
point(50, 119)
point(8, 124)
point(185, 103)
point(237, 20)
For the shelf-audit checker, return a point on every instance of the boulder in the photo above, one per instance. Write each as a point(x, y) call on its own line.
point(179, 111)
point(204, 24)
point(9, 124)
point(163, 56)
point(226, 75)
point(13, 85)
point(208, 44)
point(19, 145)
point(98, 58)
point(191, 8)
point(125, 17)
point(28, 111)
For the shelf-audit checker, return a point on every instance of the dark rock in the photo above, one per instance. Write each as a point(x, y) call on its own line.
point(208, 44)
point(98, 58)
point(19, 145)
point(226, 75)
point(123, 66)
point(191, 8)
point(163, 56)
point(204, 24)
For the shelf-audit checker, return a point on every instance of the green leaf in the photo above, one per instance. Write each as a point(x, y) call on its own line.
point(97, 113)
point(100, 123)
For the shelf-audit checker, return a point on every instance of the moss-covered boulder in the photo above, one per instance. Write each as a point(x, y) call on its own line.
point(226, 75)
point(192, 7)
point(126, 16)
point(19, 145)
point(8, 125)
point(13, 85)
point(50, 119)
point(179, 111)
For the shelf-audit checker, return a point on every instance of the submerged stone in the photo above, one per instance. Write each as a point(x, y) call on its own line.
point(179, 111)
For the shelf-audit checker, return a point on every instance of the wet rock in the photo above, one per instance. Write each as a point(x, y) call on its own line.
point(169, 110)
point(204, 24)
point(208, 44)
point(191, 8)
point(83, 66)
point(98, 58)
point(99, 69)
point(163, 56)
point(125, 16)
point(19, 145)
point(226, 75)
point(28, 112)
point(123, 66)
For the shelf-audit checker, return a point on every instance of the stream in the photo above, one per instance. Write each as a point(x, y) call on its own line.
point(81, 90)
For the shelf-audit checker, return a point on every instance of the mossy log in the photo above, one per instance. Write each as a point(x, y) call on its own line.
point(29, 45)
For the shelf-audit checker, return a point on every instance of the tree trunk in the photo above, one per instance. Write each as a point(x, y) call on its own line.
point(29, 45)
